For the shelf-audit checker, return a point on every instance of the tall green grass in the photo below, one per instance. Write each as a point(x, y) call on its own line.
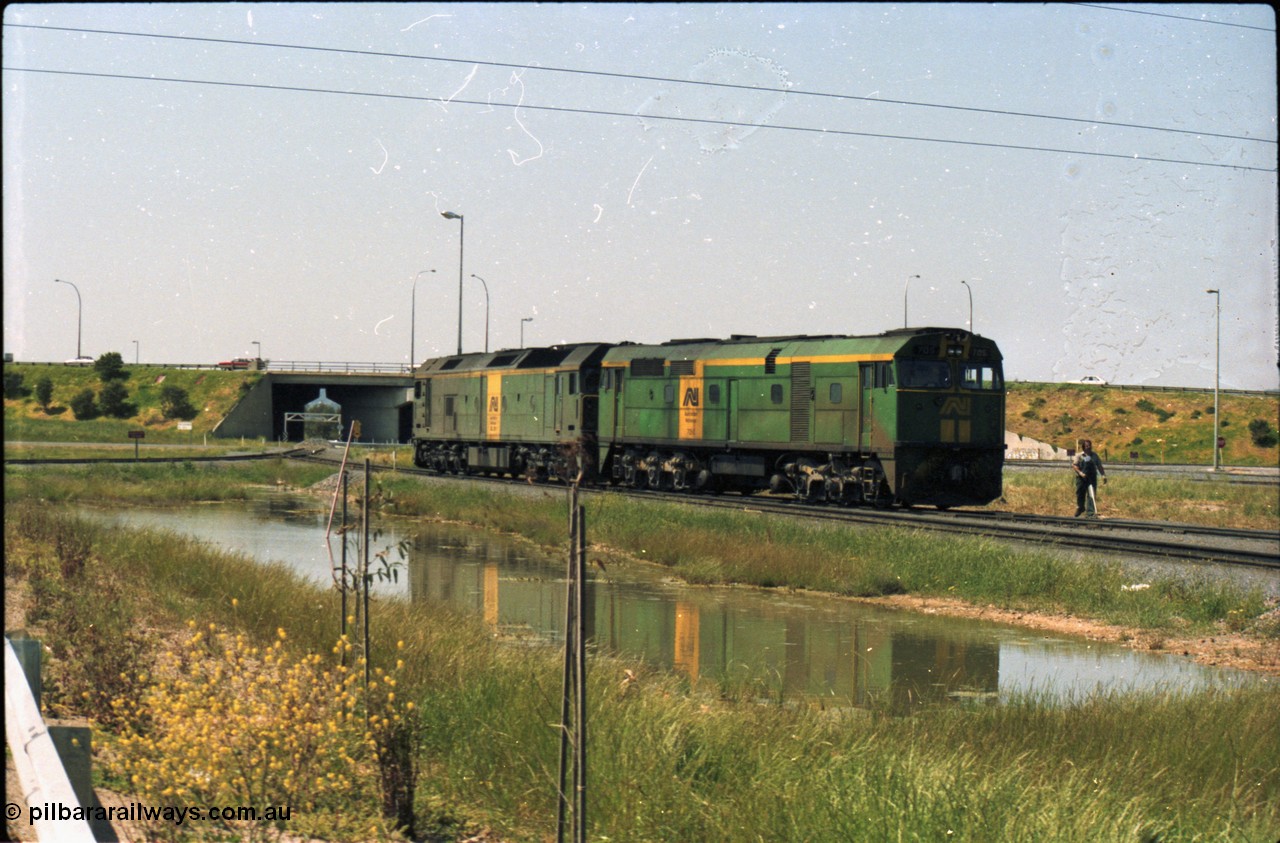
point(725, 547)
point(665, 763)
point(1215, 503)
point(703, 546)
point(160, 484)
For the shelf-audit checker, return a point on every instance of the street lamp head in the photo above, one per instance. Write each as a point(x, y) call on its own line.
point(450, 215)
point(1213, 292)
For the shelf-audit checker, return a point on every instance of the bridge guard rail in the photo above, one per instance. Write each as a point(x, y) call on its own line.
point(39, 768)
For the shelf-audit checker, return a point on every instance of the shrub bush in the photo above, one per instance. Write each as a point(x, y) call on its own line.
point(83, 405)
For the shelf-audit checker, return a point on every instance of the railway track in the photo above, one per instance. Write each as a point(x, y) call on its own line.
point(1259, 549)
point(288, 454)
point(1244, 476)
point(1181, 542)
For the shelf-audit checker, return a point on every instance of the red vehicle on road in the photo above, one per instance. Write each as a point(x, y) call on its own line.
point(240, 363)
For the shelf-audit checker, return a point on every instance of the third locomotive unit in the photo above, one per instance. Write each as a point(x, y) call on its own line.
point(912, 416)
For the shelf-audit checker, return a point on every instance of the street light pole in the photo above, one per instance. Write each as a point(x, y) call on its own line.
point(135, 352)
point(1217, 370)
point(79, 312)
point(486, 311)
point(970, 289)
point(522, 321)
point(258, 353)
point(905, 289)
point(450, 215)
point(413, 322)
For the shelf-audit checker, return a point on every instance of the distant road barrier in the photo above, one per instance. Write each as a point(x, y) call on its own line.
point(353, 368)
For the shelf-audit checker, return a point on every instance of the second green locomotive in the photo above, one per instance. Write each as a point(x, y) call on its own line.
point(913, 416)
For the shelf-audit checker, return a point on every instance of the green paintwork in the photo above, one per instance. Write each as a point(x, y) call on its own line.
point(924, 405)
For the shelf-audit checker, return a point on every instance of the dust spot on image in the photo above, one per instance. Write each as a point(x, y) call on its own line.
point(738, 93)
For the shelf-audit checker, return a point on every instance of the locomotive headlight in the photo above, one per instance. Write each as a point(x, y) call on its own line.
point(955, 351)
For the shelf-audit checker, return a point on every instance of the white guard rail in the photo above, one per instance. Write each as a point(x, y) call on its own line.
point(40, 774)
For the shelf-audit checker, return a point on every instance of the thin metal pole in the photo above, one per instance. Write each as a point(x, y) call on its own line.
point(486, 310)
point(580, 676)
point(462, 223)
point(344, 563)
point(462, 239)
point(970, 289)
point(906, 288)
point(79, 312)
point(1217, 371)
point(566, 695)
point(364, 575)
point(1217, 379)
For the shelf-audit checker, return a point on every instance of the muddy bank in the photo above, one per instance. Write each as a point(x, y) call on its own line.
point(1225, 649)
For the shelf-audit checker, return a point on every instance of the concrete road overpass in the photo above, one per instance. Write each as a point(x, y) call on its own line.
point(381, 401)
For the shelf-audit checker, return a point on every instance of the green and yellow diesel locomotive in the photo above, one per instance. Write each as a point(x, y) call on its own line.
point(914, 416)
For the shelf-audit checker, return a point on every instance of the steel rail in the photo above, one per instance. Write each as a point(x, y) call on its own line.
point(1094, 535)
point(292, 453)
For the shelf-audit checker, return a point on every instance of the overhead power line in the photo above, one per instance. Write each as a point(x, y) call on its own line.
point(604, 113)
point(646, 78)
point(1174, 17)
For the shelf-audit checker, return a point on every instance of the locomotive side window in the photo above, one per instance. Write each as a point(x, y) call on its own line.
point(924, 374)
point(836, 393)
point(981, 377)
point(713, 393)
point(669, 393)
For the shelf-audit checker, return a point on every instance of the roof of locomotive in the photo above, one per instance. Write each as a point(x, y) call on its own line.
point(573, 355)
point(569, 356)
point(802, 345)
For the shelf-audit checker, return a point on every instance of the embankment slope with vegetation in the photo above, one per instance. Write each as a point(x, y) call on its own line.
point(1173, 426)
point(211, 395)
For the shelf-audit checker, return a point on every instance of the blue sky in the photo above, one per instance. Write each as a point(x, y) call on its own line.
point(644, 172)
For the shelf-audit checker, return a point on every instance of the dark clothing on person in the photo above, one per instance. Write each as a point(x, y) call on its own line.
point(1088, 468)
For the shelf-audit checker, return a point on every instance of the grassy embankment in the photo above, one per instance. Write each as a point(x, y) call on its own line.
point(670, 764)
point(1176, 427)
point(1173, 427)
point(212, 393)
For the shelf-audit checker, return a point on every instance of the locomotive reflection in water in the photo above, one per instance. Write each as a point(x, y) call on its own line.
point(913, 416)
point(782, 647)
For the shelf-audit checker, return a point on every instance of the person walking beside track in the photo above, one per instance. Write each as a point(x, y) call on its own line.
point(1087, 467)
